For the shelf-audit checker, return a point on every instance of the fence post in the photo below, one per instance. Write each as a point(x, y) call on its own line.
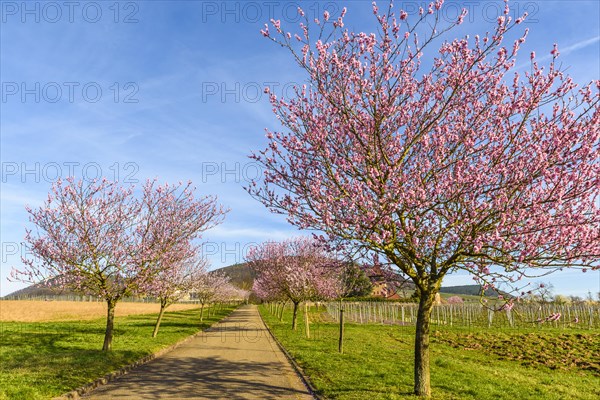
point(341, 342)
point(306, 320)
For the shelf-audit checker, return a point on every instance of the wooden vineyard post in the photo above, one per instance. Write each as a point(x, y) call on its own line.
point(306, 320)
point(360, 312)
point(341, 342)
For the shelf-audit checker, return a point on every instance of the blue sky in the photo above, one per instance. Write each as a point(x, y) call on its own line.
point(173, 89)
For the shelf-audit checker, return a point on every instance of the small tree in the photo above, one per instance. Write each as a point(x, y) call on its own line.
point(298, 269)
point(455, 300)
point(99, 238)
point(230, 292)
point(209, 287)
point(545, 292)
point(561, 299)
point(172, 284)
point(453, 164)
point(355, 282)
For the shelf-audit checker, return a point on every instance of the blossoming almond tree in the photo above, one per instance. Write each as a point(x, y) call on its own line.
point(171, 284)
point(100, 238)
point(208, 288)
point(298, 270)
point(460, 163)
point(230, 293)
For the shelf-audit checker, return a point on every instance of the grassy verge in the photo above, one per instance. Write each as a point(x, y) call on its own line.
point(465, 364)
point(43, 360)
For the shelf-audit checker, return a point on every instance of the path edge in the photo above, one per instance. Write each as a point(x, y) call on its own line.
point(299, 372)
point(85, 389)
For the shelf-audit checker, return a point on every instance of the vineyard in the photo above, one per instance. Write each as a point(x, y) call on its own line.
point(586, 316)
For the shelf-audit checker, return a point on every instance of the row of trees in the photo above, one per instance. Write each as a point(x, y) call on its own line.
point(99, 238)
point(111, 241)
point(294, 270)
point(194, 280)
point(303, 269)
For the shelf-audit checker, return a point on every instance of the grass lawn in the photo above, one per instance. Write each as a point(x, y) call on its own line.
point(465, 363)
point(42, 360)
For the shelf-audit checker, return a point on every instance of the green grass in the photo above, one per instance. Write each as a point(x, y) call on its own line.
point(44, 360)
point(465, 363)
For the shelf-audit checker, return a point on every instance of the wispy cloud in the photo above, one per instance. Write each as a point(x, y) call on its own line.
point(249, 234)
point(564, 51)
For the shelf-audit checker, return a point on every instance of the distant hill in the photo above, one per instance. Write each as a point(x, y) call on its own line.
point(38, 290)
point(241, 275)
point(472, 290)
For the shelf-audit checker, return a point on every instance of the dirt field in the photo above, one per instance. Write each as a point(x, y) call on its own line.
point(38, 311)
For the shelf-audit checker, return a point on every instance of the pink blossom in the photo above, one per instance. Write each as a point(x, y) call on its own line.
point(276, 24)
point(265, 32)
point(461, 17)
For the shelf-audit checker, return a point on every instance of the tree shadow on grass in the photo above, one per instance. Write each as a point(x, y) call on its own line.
point(35, 350)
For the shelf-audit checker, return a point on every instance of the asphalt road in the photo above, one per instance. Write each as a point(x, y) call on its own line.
point(234, 359)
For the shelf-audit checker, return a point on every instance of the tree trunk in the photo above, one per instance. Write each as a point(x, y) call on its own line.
point(110, 322)
point(422, 382)
point(163, 305)
point(294, 316)
point(281, 312)
point(201, 312)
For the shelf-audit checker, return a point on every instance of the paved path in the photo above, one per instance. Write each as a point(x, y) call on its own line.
point(234, 359)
